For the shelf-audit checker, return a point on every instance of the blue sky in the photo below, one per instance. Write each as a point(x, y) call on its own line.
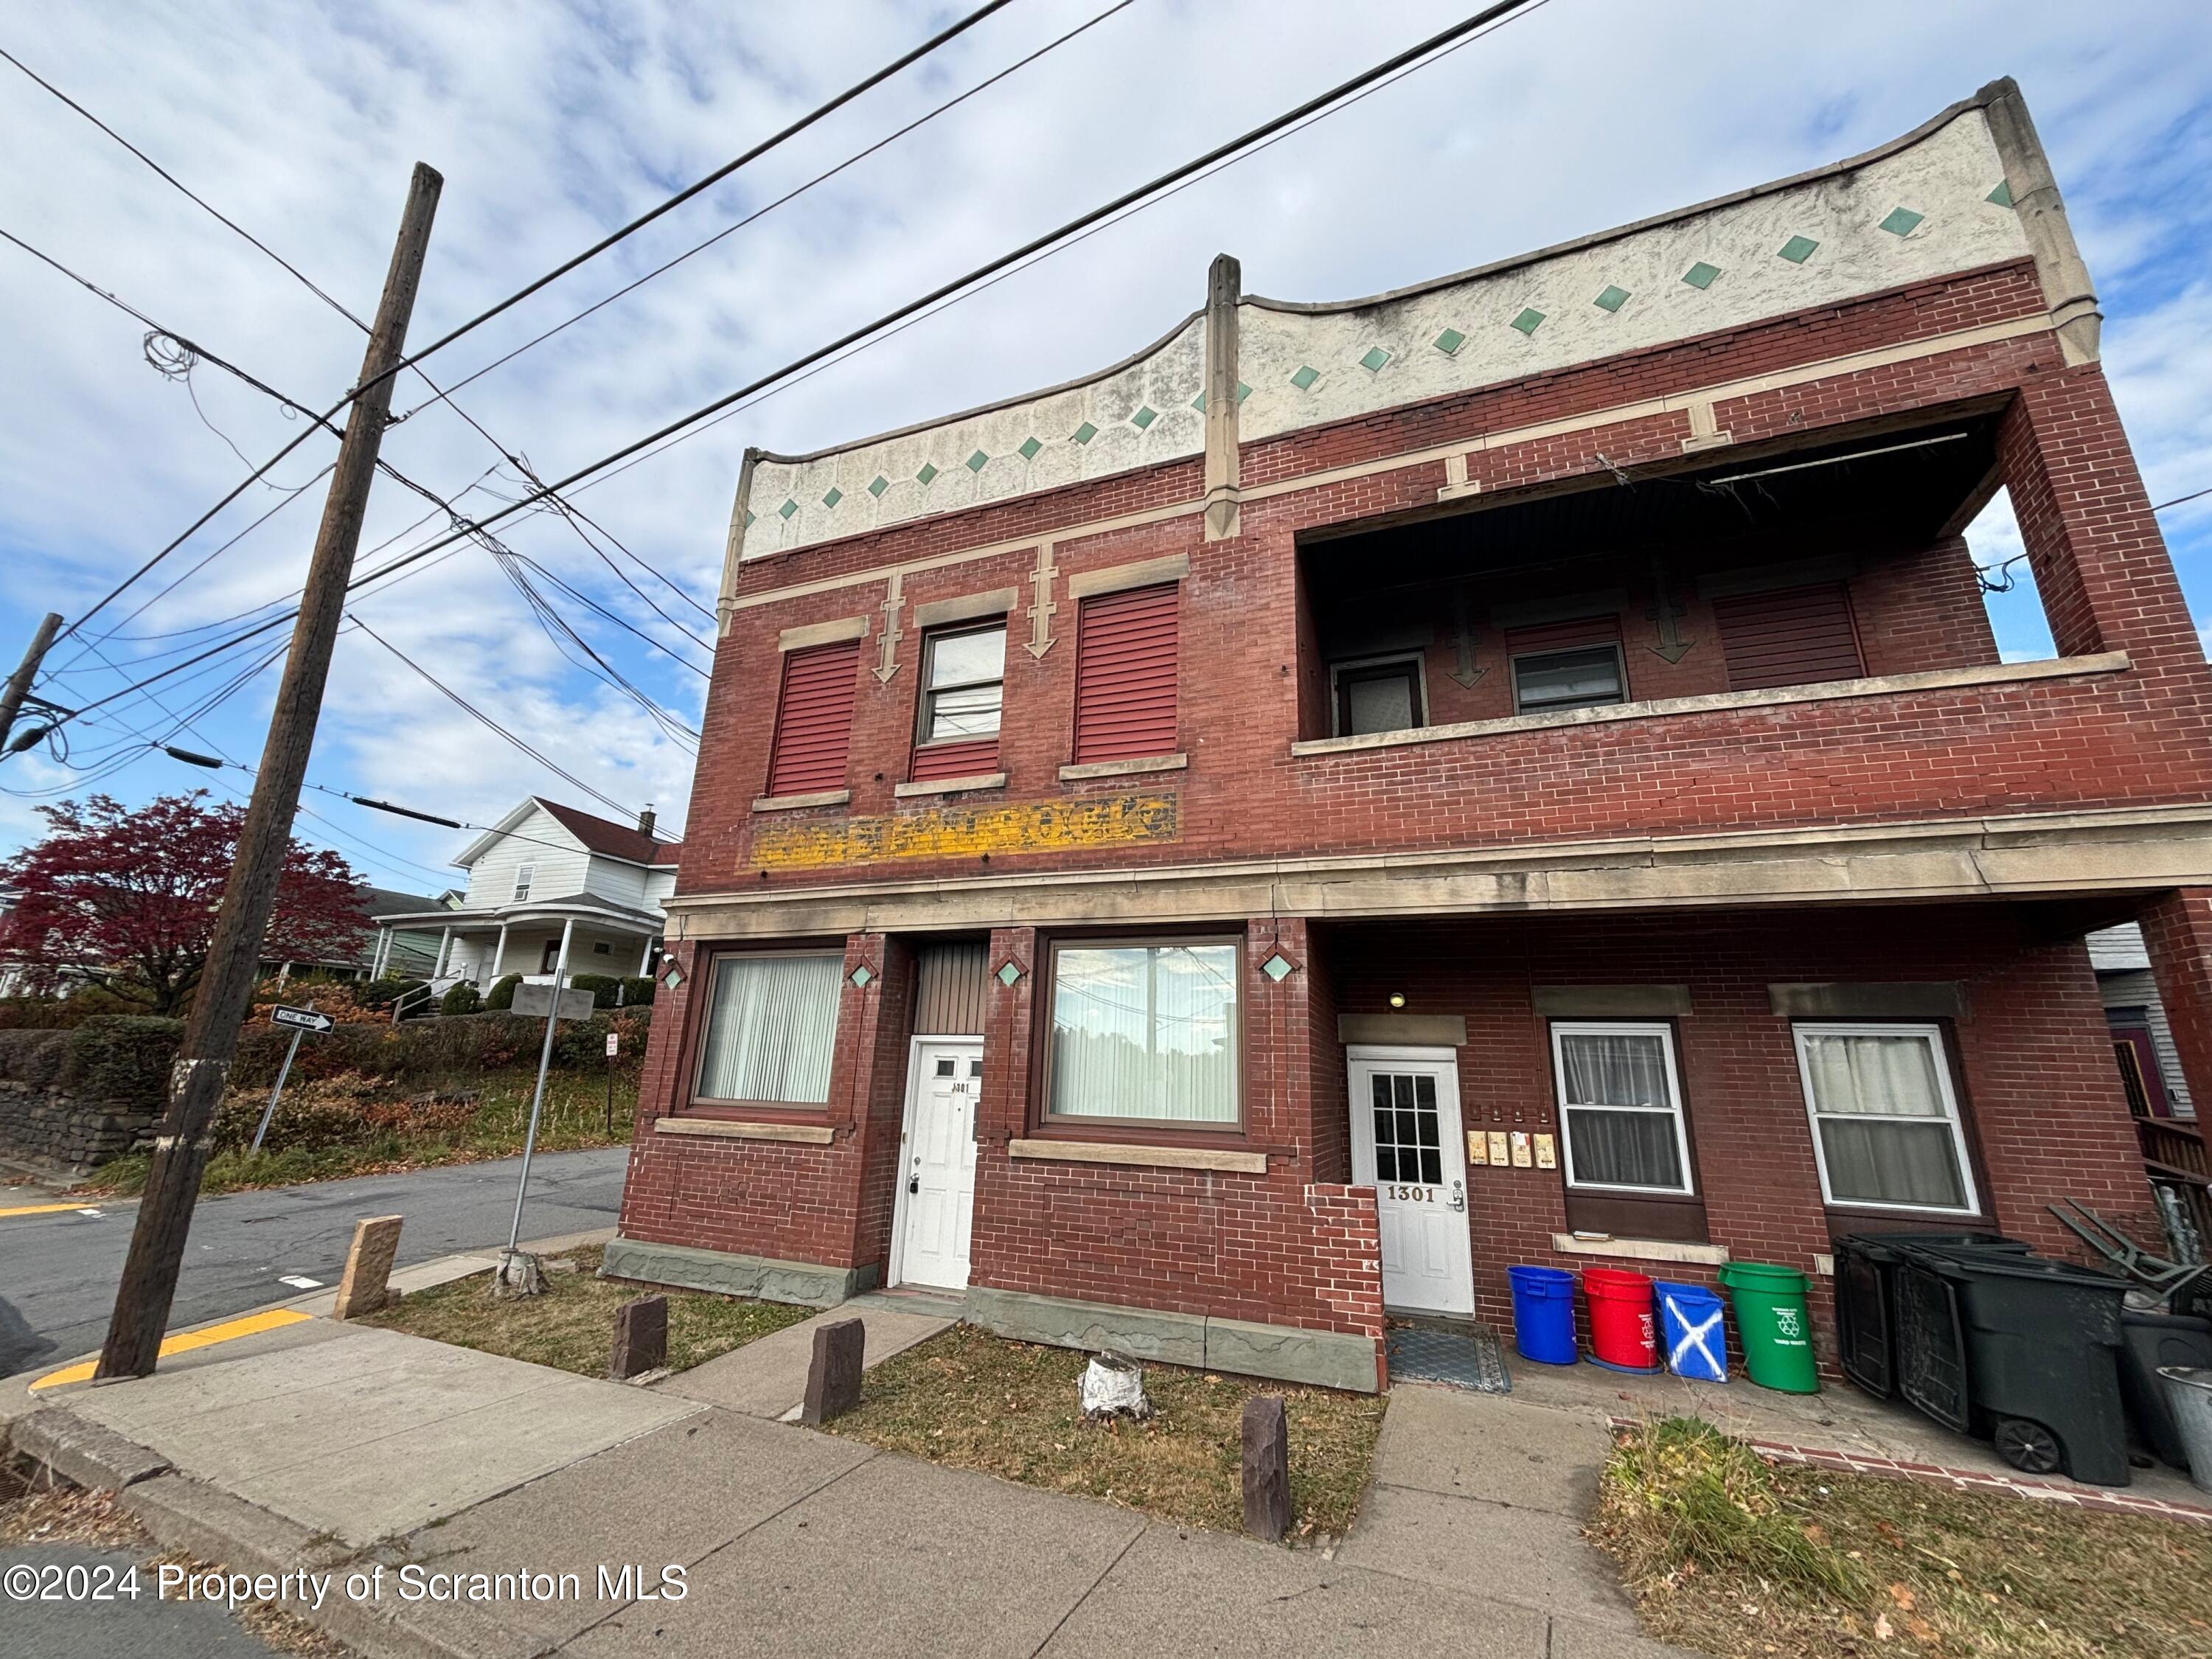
point(554, 123)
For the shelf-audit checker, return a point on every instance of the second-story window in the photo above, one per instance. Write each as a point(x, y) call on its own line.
point(1378, 694)
point(523, 875)
point(964, 672)
point(1572, 665)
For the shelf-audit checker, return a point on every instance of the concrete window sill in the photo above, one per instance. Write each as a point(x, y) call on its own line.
point(1156, 1157)
point(1883, 685)
point(792, 803)
point(723, 1129)
point(950, 786)
point(1643, 1249)
point(1123, 768)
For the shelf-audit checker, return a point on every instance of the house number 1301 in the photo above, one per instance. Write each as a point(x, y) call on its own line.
point(1415, 1195)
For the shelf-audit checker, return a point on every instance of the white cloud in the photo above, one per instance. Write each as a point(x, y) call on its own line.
point(553, 124)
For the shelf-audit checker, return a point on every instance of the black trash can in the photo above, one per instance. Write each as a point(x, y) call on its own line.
point(2018, 1348)
point(2149, 1340)
point(1866, 1299)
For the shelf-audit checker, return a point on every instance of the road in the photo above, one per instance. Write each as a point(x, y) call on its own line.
point(58, 1271)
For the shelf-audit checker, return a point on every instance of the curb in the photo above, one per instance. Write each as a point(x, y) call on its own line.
point(81, 1453)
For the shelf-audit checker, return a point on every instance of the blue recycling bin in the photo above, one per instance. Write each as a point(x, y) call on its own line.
point(1692, 1332)
point(1543, 1314)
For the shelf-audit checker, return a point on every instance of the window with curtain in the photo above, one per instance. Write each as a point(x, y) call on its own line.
point(1620, 1106)
point(771, 1028)
point(1145, 1033)
point(1885, 1121)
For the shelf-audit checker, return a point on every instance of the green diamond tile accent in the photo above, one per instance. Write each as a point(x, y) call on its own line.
point(1085, 433)
point(2002, 195)
point(1144, 417)
point(1030, 447)
point(1527, 320)
point(860, 977)
point(1798, 249)
point(1243, 391)
point(878, 484)
point(1901, 221)
point(1304, 378)
point(1701, 275)
point(926, 473)
point(1009, 972)
point(1449, 341)
point(672, 978)
point(978, 461)
point(1198, 402)
point(835, 496)
point(1373, 362)
point(788, 507)
point(1611, 299)
point(749, 519)
point(1277, 967)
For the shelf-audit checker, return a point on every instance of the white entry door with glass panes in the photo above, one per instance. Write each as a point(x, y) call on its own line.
point(936, 1168)
point(1406, 1141)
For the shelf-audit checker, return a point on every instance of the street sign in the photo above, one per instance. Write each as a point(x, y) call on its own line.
point(537, 1001)
point(614, 1044)
point(301, 1021)
point(305, 1019)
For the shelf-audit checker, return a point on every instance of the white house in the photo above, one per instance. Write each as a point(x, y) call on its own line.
point(543, 873)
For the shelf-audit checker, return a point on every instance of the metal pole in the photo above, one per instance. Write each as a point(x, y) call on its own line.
point(537, 1096)
point(277, 1093)
point(201, 1070)
point(19, 683)
point(611, 1089)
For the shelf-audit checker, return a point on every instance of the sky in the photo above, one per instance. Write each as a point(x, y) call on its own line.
point(553, 124)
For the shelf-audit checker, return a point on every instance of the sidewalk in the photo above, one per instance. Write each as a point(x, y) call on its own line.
point(332, 1447)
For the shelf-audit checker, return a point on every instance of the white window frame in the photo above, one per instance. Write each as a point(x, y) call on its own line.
point(1412, 659)
point(1933, 1036)
point(1562, 1028)
point(525, 876)
point(930, 691)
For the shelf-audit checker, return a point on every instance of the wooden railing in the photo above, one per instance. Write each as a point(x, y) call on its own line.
point(2175, 1147)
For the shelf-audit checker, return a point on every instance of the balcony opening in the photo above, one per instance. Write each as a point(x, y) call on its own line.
point(1767, 567)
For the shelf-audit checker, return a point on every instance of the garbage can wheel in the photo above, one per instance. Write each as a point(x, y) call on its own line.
point(2028, 1446)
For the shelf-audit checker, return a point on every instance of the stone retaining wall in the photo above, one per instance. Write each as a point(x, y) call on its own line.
point(50, 1125)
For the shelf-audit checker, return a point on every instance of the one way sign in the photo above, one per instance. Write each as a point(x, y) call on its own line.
point(306, 1019)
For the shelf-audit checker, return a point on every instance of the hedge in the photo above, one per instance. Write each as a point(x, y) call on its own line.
point(462, 999)
point(501, 997)
point(637, 993)
point(605, 988)
point(124, 1059)
point(432, 1051)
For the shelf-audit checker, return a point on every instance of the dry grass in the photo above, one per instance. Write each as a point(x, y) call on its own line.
point(974, 1401)
point(1729, 1556)
point(571, 1327)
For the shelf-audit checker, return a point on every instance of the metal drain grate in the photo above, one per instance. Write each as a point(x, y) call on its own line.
point(1473, 1361)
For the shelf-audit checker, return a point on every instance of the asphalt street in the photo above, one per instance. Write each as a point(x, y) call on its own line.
point(58, 1271)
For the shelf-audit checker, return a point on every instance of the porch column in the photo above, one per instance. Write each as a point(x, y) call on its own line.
point(498, 957)
point(383, 950)
point(2177, 926)
point(644, 958)
point(445, 945)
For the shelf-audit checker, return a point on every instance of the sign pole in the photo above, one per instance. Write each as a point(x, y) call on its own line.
point(277, 1093)
point(512, 1277)
point(613, 1042)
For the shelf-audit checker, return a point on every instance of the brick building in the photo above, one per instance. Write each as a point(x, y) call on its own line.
point(1515, 769)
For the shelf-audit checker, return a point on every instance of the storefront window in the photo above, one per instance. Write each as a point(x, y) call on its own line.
point(771, 1029)
point(1145, 1033)
point(1885, 1123)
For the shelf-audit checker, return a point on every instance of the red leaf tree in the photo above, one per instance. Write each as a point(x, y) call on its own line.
point(129, 898)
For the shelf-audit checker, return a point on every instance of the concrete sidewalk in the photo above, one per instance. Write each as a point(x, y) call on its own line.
point(339, 1448)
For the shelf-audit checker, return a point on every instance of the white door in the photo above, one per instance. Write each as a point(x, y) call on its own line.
point(937, 1162)
point(1406, 1141)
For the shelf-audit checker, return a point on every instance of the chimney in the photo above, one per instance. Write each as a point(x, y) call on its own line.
point(645, 820)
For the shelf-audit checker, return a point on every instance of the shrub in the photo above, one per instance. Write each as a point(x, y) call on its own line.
point(500, 998)
point(63, 1014)
point(638, 992)
point(33, 1057)
point(124, 1059)
point(383, 993)
point(605, 988)
point(462, 999)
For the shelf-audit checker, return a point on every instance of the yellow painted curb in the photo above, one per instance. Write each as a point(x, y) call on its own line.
point(46, 1209)
point(185, 1342)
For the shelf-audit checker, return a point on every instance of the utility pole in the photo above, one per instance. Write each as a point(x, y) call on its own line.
point(202, 1067)
point(19, 685)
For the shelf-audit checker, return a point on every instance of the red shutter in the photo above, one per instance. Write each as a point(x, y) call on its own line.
point(976, 759)
point(1125, 675)
point(814, 719)
point(1791, 636)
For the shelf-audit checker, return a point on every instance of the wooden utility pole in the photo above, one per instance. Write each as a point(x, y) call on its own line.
point(226, 990)
point(19, 684)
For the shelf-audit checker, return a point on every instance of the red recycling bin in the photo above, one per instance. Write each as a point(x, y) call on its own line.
point(1624, 1329)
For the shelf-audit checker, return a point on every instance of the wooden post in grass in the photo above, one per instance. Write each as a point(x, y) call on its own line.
point(833, 1378)
point(1266, 1467)
point(640, 1338)
point(368, 1266)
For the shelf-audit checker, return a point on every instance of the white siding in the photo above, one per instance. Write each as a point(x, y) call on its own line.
point(659, 885)
point(2113, 950)
point(623, 884)
point(562, 863)
point(2137, 989)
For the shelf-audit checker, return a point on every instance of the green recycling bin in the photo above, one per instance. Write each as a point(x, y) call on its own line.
point(1775, 1323)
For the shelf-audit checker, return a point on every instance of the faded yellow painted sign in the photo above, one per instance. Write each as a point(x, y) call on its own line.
point(951, 832)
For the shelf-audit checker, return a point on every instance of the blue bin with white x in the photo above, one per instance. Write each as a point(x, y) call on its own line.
point(1690, 1326)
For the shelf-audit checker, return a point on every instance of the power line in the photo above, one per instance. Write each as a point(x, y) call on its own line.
point(854, 159)
point(1430, 50)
